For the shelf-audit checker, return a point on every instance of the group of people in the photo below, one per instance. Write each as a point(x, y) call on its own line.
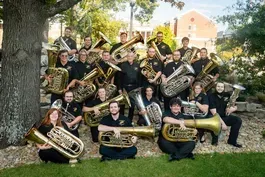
point(130, 77)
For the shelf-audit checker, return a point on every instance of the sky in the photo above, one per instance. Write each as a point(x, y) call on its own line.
point(165, 12)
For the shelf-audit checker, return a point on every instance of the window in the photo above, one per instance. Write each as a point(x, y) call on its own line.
point(189, 35)
point(189, 27)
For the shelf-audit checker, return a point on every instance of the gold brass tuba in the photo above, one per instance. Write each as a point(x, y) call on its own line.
point(171, 132)
point(149, 72)
point(120, 53)
point(93, 120)
point(151, 43)
point(154, 113)
point(234, 96)
point(178, 81)
point(190, 55)
point(61, 140)
point(125, 141)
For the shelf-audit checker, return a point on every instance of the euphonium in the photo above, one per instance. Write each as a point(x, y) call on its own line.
point(108, 138)
point(234, 96)
point(154, 113)
point(149, 72)
point(93, 120)
point(191, 109)
point(178, 81)
point(151, 43)
point(61, 140)
point(190, 54)
point(64, 46)
point(120, 53)
point(93, 55)
point(172, 132)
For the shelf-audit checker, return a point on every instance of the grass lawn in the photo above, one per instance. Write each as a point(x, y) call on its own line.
point(210, 165)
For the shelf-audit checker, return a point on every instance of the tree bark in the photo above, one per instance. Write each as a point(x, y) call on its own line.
point(24, 23)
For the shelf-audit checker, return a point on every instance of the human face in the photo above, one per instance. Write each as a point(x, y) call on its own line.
point(106, 56)
point(130, 57)
point(185, 43)
point(149, 92)
point(220, 87)
point(102, 93)
point(114, 108)
point(175, 108)
point(88, 41)
point(197, 89)
point(123, 38)
point(64, 57)
point(176, 56)
point(203, 53)
point(82, 57)
point(67, 33)
point(159, 37)
point(54, 116)
point(68, 97)
point(151, 52)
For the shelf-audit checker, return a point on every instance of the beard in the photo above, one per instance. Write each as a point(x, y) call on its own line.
point(115, 113)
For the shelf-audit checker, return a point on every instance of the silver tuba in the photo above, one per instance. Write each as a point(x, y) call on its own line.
point(178, 81)
point(154, 113)
point(61, 140)
point(191, 109)
point(67, 116)
point(234, 96)
point(64, 46)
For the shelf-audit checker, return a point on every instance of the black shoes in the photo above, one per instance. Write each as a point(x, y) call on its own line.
point(173, 157)
point(191, 156)
point(236, 145)
point(104, 158)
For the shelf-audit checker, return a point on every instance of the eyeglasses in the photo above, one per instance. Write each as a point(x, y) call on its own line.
point(176, 55)
point(159, 36)
point(82, 54)
point(64, 55)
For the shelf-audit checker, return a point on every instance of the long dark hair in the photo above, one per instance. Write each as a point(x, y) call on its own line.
point(47, 120)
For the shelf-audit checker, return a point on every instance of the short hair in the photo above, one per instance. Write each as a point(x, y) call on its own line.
point(148, 86)
point(122, 33)
point(159, 32)
point(87, 37)
point(105, 51)
point(175, 101)
point(114, 101)
point(69, 28)
point(204, 49)
point(68, 91)
point(177, 51)
point(185, 39)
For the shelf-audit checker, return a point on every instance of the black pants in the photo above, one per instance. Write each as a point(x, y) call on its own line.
point(179, 149)
point(94, 133)
point(117, 153)
point(235, 123)
point(141, 121)
point(53, 156)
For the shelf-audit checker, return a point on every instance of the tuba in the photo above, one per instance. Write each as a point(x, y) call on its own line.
point(64, 46)
point(178, 81)
point(125, 140)
point(93, 120)
point(151, 43)
point(171, 132)
point(149, 72)
point(154, 113)
point(190, 55)
point(234, 96)
point(61, 140)
point(67, 116)
point(93, 55)
point(191, 109)
point(121, 52)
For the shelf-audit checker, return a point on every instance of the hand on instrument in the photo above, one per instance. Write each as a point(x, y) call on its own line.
point(117, 133)
point(69, 125)
point(134, 139)
point(164, 81)
point(82, 83)
point(96, 111)
point(162, 58)
point(44, 146)
point(151, 81)
point(120, 92)
point(142, 112)
point(182, 125)
point(49, 78)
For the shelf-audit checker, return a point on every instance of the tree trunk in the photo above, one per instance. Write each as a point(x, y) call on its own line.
point(20, 97)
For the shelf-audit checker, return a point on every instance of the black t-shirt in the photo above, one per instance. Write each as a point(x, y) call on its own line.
point(115, 46)
point(84, 48)
point(44, 129)
point(219, 102)
point(171, 67)
point(156, 64)
point(130, 74)
point(163, 48)
point(200, 64)
point(70, 68)
point(201, 98)
point(82, 69)
point(148, 102)
point(69, 41)
point(92, 103)
point(183, 51)
point(122, 121)
point(73, 108)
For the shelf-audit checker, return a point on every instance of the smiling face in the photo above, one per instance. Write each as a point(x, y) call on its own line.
point(88, 41)
point(197, 89)
point(82, 56)
point(105, 56)
point(123, 38)
point(175, 108)
point(151, 52)
point(203, 53)
point(176, 55)
point(159, 37)
point(149, 92)
point(67, 33)
point(68, 97)
point(54, 116)
point(102, 93)
point(114, 108)
point(220, 87)
point(63, 57)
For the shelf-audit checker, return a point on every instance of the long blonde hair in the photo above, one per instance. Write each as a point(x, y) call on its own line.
point(192, 94)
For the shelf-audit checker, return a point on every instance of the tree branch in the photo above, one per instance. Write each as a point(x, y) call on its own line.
point(61, 6)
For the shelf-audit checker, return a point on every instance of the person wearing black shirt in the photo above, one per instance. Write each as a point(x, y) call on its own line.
point(123, 39)
point(147, 99)
point(129, 80)
point(177, 150)
point(87, 44)
point(91, 105)
point(157, 67)
point(185, 43)
point(69, 41)
point(168, 70)
point(218, 104)
point(110, 124)
point(63, 62)
point(163, 48)
point(46, 152)
point(74, 109)
point(82, 66)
